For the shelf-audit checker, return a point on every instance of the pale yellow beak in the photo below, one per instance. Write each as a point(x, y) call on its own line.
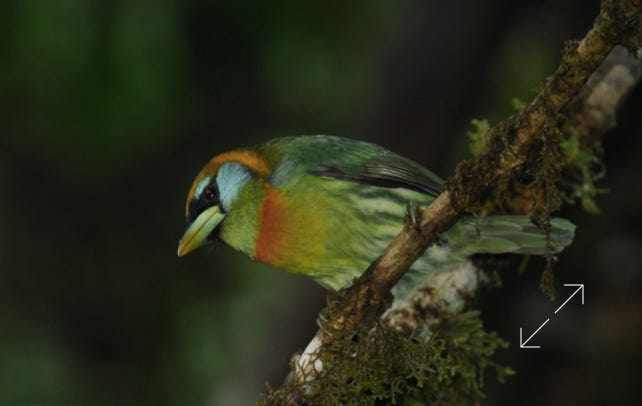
point(196, 234)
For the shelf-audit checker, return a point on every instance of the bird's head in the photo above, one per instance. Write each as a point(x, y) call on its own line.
point(215, 192)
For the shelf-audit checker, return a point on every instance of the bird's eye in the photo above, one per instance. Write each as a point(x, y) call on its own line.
point(210, 194)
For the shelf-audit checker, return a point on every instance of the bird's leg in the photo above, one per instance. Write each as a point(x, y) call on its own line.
point(413, 215)
point(413, 219)
point(471, 218)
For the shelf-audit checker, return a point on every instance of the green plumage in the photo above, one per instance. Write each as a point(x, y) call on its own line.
point(326, 207)
point(346, 159)
point(366, 188)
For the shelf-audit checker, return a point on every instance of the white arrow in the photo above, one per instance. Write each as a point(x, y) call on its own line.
point(581, 287)
point(522, 344)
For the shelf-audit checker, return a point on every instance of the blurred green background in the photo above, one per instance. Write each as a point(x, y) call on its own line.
point(108, 109)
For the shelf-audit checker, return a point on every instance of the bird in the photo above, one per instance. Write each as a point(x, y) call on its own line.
point(326, 207)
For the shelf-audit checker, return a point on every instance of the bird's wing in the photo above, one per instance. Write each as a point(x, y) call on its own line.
point(354, 161)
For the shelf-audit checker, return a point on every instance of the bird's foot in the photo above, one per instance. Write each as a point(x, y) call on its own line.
point(413, 215)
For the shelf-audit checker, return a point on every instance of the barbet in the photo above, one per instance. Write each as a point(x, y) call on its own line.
point(326, 207)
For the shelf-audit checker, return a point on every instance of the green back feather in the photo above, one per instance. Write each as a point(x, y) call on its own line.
point(350, 160)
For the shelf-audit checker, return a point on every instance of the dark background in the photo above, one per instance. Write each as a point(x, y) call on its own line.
point(108, 109)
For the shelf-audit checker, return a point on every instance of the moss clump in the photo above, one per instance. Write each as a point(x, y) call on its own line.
point(582, 169)
point(563, 165)
point(478, 136)
point(547, 174)
point(537, 187)
point(382, 366)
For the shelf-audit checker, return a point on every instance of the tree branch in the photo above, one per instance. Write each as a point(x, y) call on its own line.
point(513, 151)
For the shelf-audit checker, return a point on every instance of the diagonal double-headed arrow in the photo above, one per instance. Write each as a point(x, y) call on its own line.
point(522, 342)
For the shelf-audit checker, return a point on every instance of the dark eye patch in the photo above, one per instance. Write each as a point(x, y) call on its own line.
point(209, 197)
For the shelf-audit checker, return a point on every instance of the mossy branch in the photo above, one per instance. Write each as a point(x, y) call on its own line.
point(529, 147)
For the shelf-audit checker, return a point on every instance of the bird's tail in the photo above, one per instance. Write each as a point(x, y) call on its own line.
point(509, 234)
point(484, 235)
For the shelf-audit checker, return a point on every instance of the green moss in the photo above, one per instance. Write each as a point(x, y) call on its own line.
point(478, 136)
point(379, 365)
point(547, 196)
point(582, 169)
point(562, 166)
point(518, 104)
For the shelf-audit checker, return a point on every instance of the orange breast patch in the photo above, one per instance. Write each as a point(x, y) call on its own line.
point(272, 223)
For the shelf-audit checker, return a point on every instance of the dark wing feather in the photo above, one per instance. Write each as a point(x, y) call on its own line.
point(356, 161)
point(385, 174)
